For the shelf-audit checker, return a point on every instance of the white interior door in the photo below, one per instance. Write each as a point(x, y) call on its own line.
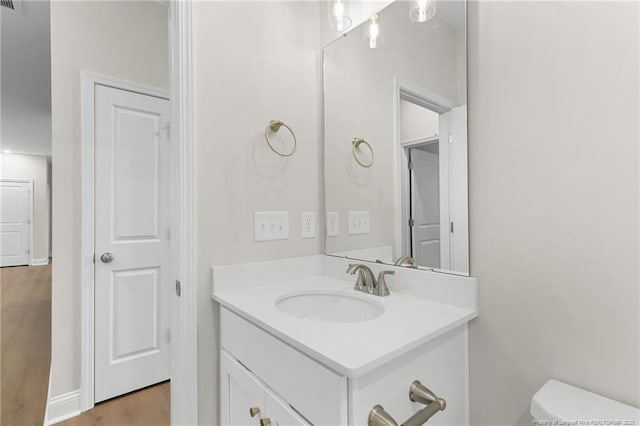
point(15, 217)
point(132, 254)
point(425, 208)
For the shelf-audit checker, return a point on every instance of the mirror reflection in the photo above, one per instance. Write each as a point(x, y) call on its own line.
point(395, 130)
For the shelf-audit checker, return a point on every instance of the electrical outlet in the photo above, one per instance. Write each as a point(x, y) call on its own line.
point(359, 222)
point(271, 226)
point(308, 225)
point(333, 224)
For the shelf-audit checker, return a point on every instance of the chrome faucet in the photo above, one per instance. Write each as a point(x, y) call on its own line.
point(406, 260)
point(367, 282)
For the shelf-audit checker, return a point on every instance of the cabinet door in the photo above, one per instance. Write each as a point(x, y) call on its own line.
point(239, 392)
point(280, 413)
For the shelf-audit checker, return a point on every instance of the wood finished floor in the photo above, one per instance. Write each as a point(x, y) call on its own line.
point(25, 343)
point(146, 407)
point(25, 353)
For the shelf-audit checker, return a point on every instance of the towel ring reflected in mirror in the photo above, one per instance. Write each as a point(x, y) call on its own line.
point(274, 126)
point(355, 143)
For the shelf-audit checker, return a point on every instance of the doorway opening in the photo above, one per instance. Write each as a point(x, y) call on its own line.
point(423, 128)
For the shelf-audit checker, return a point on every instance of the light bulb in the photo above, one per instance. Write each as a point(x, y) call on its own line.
point(374, 32)
point(422, 10)
point(338, 19)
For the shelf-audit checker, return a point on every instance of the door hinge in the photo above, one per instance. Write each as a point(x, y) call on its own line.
point(94, 258)
point(168, 130)
point(452, 227)
point(28, 251)
point(410, 165)
point(178, 288)
point(411, 222)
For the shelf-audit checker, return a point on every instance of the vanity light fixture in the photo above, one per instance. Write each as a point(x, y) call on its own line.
point(372, 35)
point(338, 19)
point(422, 10)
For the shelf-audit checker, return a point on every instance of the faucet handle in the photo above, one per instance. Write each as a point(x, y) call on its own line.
point(381, 288)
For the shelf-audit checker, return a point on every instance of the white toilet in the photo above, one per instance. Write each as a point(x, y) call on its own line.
point(560, 401)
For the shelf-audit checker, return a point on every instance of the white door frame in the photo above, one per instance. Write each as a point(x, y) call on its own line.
point(184, 319)
point(87, 107)
point(404, 89)
point(30, 183)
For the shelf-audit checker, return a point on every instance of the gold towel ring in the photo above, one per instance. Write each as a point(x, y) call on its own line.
point(354, 146)
point(274, 126)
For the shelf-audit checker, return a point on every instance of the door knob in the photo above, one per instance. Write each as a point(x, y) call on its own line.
point(106, 257)
point(253, 411)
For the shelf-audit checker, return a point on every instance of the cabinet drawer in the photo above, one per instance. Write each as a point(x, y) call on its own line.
point(319, 394)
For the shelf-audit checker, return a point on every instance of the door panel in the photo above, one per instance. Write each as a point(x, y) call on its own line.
point(425, 208)
point(132, 223)
point(135, 317)
point(15, 199)
point(135, 154)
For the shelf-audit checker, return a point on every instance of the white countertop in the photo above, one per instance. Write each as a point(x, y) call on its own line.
point(351, 349)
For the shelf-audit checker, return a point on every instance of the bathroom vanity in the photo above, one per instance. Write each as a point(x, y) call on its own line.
point(298, 345)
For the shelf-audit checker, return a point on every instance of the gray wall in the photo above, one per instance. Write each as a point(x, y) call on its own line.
point(553, 147)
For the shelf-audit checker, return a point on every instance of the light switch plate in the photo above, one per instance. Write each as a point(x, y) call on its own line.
point(271, 226)
point(333, 224)
point(359, 222)
point(308, 225)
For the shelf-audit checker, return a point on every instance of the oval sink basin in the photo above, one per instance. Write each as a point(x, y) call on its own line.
point(329, 306)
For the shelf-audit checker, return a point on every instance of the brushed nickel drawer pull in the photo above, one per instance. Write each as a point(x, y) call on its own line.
point(417, 393)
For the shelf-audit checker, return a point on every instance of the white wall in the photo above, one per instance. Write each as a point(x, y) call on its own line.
point(128, 40)
point(553, 155)
point(32, 167)
point(417, 122)
point(255, 62)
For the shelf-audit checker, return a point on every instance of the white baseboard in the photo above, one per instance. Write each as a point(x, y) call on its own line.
point(39, 262)
point(62, 407)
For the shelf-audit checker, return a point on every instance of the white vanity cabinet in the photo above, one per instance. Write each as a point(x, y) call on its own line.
point(292, 388)
point(318, 394)
point(241, 392)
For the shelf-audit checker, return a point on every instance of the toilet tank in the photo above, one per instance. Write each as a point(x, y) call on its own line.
point(560, 401)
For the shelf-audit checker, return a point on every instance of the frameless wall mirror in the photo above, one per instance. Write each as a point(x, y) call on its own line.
point(395, 134)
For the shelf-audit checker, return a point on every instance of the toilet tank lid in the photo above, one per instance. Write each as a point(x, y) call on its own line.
point(560, 401)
